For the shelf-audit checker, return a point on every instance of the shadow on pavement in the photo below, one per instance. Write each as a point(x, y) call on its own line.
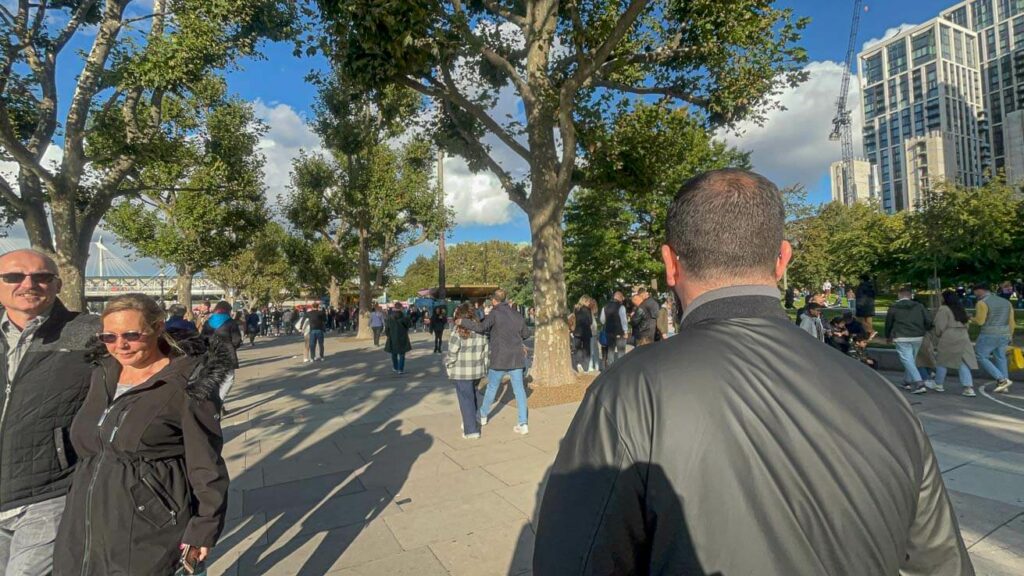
point(329, 461)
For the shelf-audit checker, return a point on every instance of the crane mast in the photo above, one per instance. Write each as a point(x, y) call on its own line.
point(842, 124)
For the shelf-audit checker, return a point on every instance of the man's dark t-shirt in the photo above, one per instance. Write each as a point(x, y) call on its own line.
point(316, 319)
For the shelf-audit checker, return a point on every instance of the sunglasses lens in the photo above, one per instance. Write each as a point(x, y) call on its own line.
point(107, 337)
point(19, 277)
point(132, 336)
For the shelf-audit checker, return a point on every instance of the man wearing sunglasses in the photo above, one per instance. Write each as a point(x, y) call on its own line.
point(45, 376)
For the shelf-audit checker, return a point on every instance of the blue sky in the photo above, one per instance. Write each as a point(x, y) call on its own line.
point(791, 147)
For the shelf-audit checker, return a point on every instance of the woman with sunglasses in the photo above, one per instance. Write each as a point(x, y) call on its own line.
point(150, 478)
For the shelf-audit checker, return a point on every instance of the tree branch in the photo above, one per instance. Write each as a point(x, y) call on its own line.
point(496, 9)
point(677, 92)
point(512, 188)
point(8, 195)
point(21, 154)
point(622, 26)
point(72, 26)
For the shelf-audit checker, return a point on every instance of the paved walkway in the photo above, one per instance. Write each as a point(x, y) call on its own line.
point(340, 467)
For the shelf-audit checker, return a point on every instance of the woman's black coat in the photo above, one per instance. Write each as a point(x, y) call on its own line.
point(150, 474)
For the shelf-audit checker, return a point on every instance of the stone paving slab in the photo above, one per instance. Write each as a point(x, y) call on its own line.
point(340, 467)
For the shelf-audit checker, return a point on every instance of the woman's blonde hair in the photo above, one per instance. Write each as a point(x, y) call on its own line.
point(152, 315)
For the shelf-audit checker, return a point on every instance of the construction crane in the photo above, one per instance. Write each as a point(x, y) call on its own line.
point(842, 124)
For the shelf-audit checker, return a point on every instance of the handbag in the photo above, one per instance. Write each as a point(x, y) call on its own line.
point(602, 338)
point(1015, 358)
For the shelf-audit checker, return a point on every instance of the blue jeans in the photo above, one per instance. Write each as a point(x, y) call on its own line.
point(994, 346)
point(398, 361)
point(465, 390)
point(26, 540)
point(316, 338)
point(494, 379)
point(908, 354)
point(966, 379)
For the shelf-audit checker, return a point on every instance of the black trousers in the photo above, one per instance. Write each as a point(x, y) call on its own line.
point(376, 334)
point(437, 340)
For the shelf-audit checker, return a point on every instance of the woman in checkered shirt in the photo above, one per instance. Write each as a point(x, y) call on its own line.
point(467, 364)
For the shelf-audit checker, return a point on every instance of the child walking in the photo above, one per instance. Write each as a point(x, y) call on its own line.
point(466, 363)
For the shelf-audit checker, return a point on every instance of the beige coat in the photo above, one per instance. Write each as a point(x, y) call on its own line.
point(954, 343)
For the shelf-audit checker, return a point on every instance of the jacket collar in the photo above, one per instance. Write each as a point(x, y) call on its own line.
point(734, 302)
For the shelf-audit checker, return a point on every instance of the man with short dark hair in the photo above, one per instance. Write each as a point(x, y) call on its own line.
point(811, 322)
point(906, 324)
point(46, 375)
point(996, 318)
point(723, 450)
point(613, 318)
point(507, 332)
point(317, 324)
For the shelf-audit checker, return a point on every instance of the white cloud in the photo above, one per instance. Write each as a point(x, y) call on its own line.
point(792, 145)
point(888, 34)
point(287, 135)
point(475, 198)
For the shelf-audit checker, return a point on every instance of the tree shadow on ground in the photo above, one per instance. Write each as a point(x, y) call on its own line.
point(323, 461)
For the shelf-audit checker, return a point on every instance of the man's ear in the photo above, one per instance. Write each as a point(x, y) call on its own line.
point(672, 269)
point(785, 255)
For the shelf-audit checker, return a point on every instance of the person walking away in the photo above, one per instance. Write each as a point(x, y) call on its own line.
point(595, 345)
point(396, 328)
point(303, 327)
point(317, 324)
point(582, 333)
point(416, 316)
point(613, 317)
point(252, 326)
point(466, 363)
point(954, 349)
point(288, 321)
point(865, 299)
point(507, 331)
point(151, 477)
point(438, 322)
point(997, 321)
point(906, 323)
point(220, 325)
point(45, 380)
point(653, 308)
point(176, 320)
point(811, 323)
point(716, 451)
point(790, 297)
point(376, 324)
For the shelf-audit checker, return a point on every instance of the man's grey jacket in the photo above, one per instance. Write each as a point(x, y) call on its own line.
point(507, 331)
point(744, 446)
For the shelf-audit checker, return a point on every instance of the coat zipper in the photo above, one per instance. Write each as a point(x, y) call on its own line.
point(92, 481)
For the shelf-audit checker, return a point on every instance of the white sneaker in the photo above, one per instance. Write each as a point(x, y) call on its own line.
point(473, 436)
point(579, 368)
point(930, 384)
point(969, 392)
point(523, 429)
point(306, 360)
point(1004, 386)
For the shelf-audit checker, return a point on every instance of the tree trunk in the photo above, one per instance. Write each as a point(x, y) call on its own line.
point(552, 364)
point(70, 253)
point(365, 295)
point(334, 293)
point(184, 286)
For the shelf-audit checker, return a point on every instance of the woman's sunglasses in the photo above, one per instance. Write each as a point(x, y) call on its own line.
point(110, 337)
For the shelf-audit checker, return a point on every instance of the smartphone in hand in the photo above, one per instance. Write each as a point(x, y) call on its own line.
point(190, 559)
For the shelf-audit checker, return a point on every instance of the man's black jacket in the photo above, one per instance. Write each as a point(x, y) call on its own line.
point(743, 446)
point(507, 331)
point(36, 457)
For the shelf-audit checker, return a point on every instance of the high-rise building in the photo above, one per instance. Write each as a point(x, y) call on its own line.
point(999, 25)
point(922, 110)
point(1013, 136)
point(865, 180)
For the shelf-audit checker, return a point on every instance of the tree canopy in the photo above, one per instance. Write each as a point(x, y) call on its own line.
point(571, 66)
point(115, 121)
point(494, 262)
